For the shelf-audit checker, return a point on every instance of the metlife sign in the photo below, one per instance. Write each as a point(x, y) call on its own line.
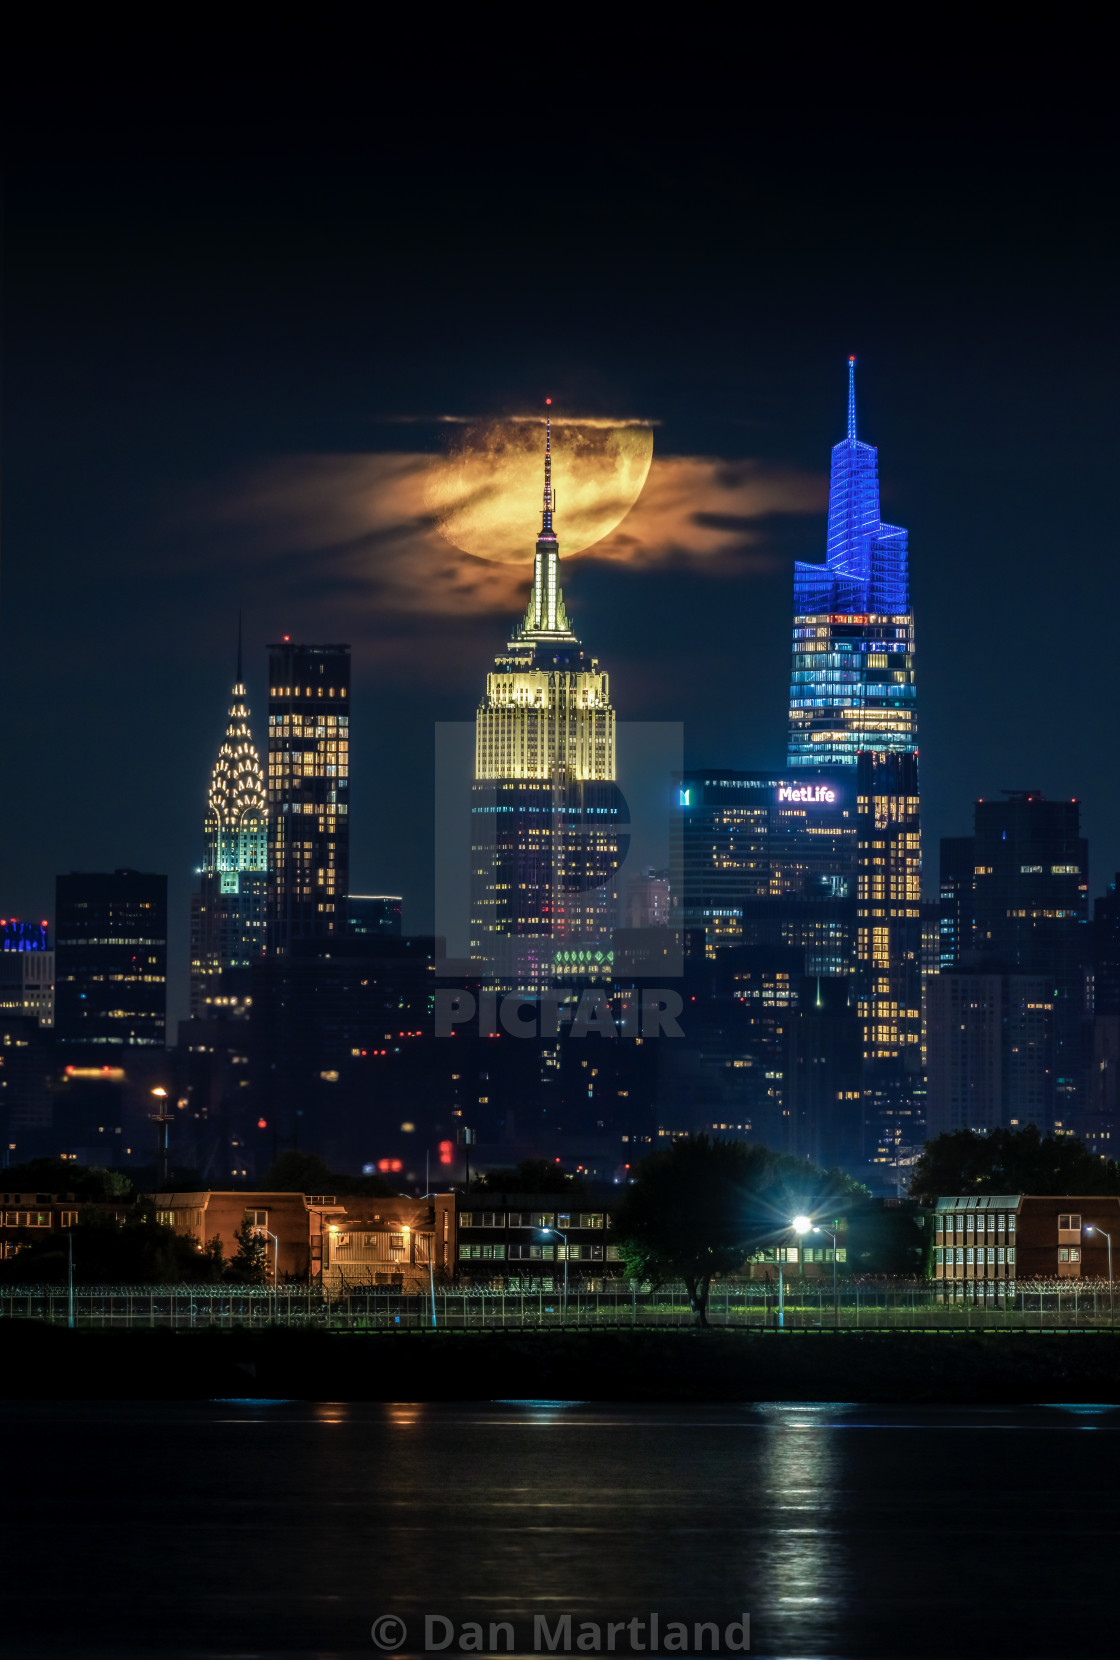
point(701, 791)
point(809, 794)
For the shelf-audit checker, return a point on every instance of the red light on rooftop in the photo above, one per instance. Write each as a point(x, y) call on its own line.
point(445, 1151)
point(548, 400)
point(262, 1123)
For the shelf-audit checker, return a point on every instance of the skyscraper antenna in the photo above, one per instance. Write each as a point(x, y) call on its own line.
point(546, 522)
point(851, 400)
point(239, 645)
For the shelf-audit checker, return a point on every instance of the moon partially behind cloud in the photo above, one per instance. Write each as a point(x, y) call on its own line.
point(485, 493)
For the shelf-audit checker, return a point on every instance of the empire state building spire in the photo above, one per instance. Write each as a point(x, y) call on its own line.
point(546, 519)
point(545, 806)
point(545, 616)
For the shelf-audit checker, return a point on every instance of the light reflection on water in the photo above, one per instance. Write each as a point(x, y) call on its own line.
point(281, 1528)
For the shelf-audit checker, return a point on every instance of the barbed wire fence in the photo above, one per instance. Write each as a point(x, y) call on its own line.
point(864, 1305)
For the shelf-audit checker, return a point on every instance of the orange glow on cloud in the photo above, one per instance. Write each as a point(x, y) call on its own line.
point(368, 524)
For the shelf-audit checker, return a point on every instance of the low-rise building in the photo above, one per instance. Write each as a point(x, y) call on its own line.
point(989, 1241)
point(529, 1235)
point(25, 1217)
point(293, 1225)
point(341, 1241)
point(406, 1244)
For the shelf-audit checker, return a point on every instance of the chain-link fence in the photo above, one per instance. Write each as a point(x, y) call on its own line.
point(868, 1306)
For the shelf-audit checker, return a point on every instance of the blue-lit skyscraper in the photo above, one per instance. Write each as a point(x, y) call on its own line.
point(852, 685)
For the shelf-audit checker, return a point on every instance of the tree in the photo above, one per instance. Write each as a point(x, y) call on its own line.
point(1010, 1161)
point(700, 1208)
point(61, 1176)
point(137, 1250)
point(251, 1265)
point(295, 1172)
point(533, 1176)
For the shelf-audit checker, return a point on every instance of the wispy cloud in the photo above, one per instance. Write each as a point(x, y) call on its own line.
point(703, 510)
point(611, 421)
point(358, 524)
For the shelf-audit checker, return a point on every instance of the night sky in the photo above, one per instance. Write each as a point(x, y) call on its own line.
point(220, 333)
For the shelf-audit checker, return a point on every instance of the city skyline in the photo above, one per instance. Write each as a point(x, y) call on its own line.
point(854, 497)
point(244, 457)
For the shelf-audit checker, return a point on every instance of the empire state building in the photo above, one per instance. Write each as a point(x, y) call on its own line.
point(545, 808)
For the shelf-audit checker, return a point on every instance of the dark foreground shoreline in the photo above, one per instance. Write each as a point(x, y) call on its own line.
point(52, 1363)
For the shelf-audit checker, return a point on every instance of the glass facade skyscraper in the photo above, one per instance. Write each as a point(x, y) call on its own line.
point(308, 793)
point(767, 858)
point(852, 684)
point(111, 961)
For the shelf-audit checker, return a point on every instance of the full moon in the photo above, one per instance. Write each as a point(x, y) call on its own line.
point(486, 492)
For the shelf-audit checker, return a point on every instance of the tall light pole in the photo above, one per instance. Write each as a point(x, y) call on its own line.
point(431, 1238)
point(804, 1225)
point(564, 1237)
point(1091, 1228)
point(275, 1257)
point(70, 1275)
point(161, 1118)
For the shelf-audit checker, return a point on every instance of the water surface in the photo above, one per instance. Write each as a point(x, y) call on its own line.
point(243, 1528)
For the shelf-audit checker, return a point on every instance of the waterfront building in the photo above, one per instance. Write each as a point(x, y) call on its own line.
point(984, 1244)
point(334, 1242)
point(308, 793)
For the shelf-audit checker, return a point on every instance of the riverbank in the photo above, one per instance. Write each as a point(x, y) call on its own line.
point(52, 1363)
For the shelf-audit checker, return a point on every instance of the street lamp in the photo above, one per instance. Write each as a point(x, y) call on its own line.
point(276, 1255)
point(564, 1237)
point(70, 1275)
point(805, 1224)
point(431, 1238)
point(1091, 1228)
